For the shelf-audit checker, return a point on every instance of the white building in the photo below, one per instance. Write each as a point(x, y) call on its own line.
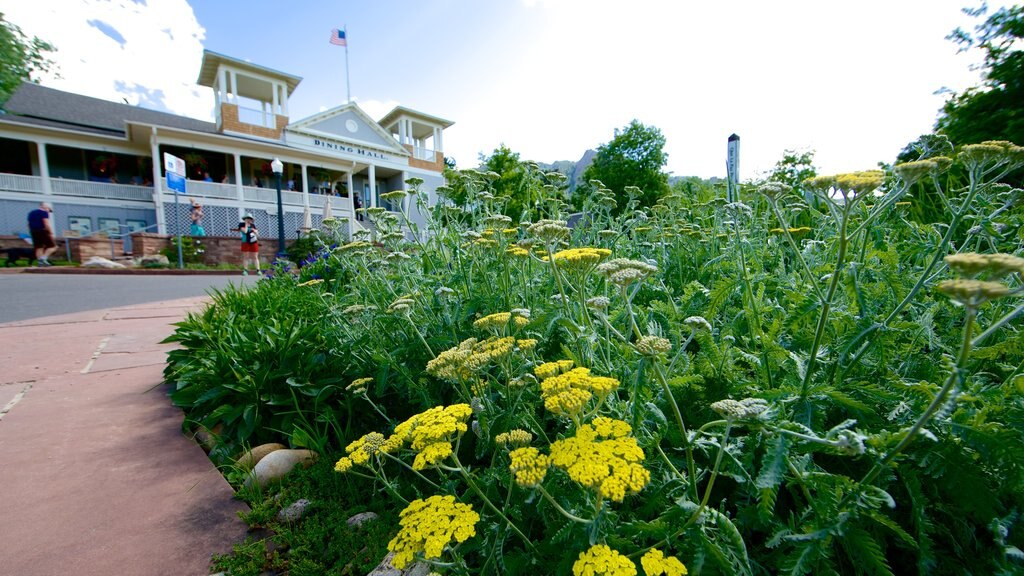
point(100, 164)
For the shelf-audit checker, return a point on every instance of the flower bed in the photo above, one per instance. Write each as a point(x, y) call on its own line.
point(701, 386)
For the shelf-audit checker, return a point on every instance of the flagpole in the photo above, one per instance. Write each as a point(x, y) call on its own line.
point(348, 86)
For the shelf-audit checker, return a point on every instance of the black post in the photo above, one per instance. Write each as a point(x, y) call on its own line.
point(280, 219)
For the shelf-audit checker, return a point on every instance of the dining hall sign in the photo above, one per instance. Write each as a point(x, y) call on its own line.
point(322, 144)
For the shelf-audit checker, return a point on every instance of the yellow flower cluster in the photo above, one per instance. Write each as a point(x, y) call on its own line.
point(499, 320)
point(358, 386)
point(972, 264)
point(430, 433)
point(549, 369)
point(603, 457)
point(515, 437)
point(655, 563)
point(972, 292)
point(580, 257)
point(459, 363)
point(600, 560)
point(652, 345)
point(430, 525)
point(517, 251)
point(529, 466)
point(359, 452)
point(568, 393)
point(793, 231)
point(312, 282)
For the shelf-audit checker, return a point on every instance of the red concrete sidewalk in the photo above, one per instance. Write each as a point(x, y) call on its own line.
point(95, 474)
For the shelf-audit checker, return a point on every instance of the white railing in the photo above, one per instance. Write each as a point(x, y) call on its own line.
point(66, 187)
point(423, 154)
point(256, 117)
point(210, 189)
point(20, 183)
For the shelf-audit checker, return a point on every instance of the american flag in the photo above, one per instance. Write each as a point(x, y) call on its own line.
point(338, 38)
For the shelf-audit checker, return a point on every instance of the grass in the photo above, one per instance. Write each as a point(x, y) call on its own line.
point(321, 542)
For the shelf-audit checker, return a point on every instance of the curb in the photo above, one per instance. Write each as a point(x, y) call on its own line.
point(129, 271)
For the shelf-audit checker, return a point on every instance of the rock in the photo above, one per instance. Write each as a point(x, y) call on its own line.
point(97, 262)
point(154, 260)
point(386, 569)
point(277, 464)
point(360, 519)
point(208, 438)
point(293, 512)
point(252, 457)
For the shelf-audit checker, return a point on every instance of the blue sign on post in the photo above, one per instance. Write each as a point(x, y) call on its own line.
point(176, 182)
point(175, 168)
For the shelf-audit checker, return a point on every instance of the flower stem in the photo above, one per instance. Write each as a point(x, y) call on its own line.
point(487, 501)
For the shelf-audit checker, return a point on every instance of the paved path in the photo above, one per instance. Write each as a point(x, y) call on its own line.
point(95, 474)
point(33, 295)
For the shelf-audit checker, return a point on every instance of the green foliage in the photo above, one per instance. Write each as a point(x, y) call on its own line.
point(634, 157)
point(21, 58)
point(994, 110)
point(192, 250)
point(806, 401)
point(512, 181)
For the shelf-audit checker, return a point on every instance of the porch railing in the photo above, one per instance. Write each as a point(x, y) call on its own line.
point(20, 183)
point(256, 117)
point(64, 187)
point(211, 189)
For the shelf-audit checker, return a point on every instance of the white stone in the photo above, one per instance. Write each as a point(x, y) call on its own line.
point(277, 464)
point(251, 458)
point(386, 569)
point(293, 512)
point(154, 260)
point(98, 262)
point(361, 518)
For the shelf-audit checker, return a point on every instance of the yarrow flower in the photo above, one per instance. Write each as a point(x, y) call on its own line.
point(911, 172)
point(459, 363)
point(403, 304)
point(774, 189)
point(655, 563)
point(580, 257)
point(549, 369)
point(428, 526)
point(972, 264)
point(623, 271)
point(430, 433)
point(598, 302)
point(499, 320)
point(603, 457)
point(550, 231)
point(312, 282)
point(972, 292)
point(358, 386)
point(744, 409)
point(652, 345)
point(568, 393)
point(697, 323)
point(601, 560)
point(360, 451)
point(515, 437)
point(394, 195)
point(528, 465)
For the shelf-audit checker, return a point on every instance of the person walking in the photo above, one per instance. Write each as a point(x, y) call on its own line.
point(40, 227)
point(197, 220)
point(250, 244)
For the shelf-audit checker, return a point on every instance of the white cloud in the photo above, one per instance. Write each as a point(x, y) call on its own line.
point(156, 65)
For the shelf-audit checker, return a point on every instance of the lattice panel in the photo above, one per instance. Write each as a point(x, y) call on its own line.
point(217, 220)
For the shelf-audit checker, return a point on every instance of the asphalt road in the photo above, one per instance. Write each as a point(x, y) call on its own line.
point(24, 296)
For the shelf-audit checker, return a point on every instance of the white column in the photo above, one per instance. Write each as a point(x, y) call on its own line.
point(239, 192)
point(440, 145)
point(408, 133)
point(274, 98)
point(351, 191)
point(44, 168)
point(234, 87)
point(406, 200)
point(284, 99)
point(373, 186)
point(154, 150)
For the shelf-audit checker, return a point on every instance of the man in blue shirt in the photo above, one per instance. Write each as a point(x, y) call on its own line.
point(41, 228)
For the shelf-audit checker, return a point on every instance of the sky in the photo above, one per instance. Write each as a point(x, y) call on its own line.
point(852, 81)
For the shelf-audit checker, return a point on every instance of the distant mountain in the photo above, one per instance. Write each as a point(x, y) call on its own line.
point(572, 170)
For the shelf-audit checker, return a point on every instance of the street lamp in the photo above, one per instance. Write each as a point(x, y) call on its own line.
point(277, 167)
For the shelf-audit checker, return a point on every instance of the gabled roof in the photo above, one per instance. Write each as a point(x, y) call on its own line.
point(212, 60)
point(403, 111)
point(76, 112)
point(305, 124)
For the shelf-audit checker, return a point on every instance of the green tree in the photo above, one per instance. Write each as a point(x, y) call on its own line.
point(21, 58)
point(634, 157)
point(995, 109)
point(512, 184)
point(794, 168)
